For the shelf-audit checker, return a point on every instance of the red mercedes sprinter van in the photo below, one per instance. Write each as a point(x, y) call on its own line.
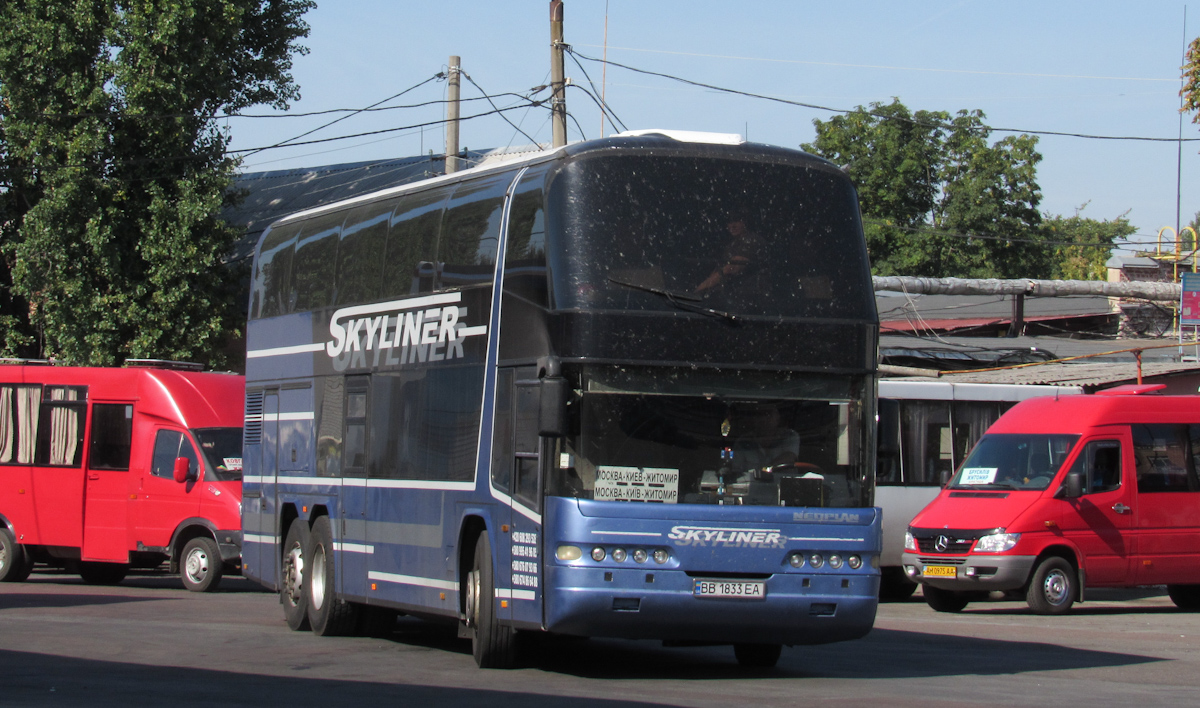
point(1065, 494)
point(103, 469)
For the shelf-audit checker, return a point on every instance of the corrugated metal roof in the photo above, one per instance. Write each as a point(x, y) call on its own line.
point(1089, 375)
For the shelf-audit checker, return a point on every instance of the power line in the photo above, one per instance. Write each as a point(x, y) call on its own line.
point(875, 114)
point(597, 97)
point(506, 120)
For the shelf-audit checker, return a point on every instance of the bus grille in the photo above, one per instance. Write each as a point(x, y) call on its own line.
point(253, 423)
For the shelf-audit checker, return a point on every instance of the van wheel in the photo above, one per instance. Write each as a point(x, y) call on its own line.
point(201, 566)
point(102, 573)
point(291, 590)
point(1185, 597)
point(328, 615)
point(1053, 588)
point(491, 643)
point(15, 563)
point(757, 656)
point(945, 600)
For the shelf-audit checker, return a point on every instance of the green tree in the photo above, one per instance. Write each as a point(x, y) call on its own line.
point(1083, 245)
point(937, 198)
point(114, 168)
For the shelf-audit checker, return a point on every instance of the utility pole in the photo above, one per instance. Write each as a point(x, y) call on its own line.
point(452, 116)
point(558, 87)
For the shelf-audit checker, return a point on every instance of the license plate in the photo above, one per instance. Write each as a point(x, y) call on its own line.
point(940, 571)
point(750, 589)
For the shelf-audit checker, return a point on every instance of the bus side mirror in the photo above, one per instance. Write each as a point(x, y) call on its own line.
point(1073, 489)
point(183, 469)
point(552, 413)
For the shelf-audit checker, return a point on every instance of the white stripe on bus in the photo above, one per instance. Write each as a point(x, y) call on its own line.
point(284, 351)
point(414, 580)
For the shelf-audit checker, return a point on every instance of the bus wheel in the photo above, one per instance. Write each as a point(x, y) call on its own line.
point(491, 643)
point(757, 656)
point(201, 566)
point(1185, 597)
point(1052, 589)
point(291, 590)
point(15, 563)
point(329, 615)
point(944, 600)
point(102, 573)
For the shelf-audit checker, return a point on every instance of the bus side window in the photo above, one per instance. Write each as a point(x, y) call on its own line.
point(525, 256)
point(60, 429)
point(19, 414)
point(112, 436)
point(502, 436)
point(888, 466)
point(314, 265)
point(471, 231)
point(526, 442)
point(359, 255)
point(330, 419)
point(410, 257)
point(273, 277)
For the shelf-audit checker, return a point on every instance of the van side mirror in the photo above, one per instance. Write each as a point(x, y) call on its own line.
point(1073, 489)
point(183, 470)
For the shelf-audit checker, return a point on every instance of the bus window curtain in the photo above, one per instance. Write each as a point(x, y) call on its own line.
point(64, 429)
point(29, 402)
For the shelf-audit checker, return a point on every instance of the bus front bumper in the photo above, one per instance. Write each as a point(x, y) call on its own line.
point(649, 603)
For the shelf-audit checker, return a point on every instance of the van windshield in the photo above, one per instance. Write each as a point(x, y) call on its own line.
point(222, 449)
point(1014, 461)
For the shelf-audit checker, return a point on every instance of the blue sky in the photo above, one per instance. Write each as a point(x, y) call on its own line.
point(1098, 67)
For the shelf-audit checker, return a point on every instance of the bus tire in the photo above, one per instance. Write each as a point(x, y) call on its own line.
point(200, 566)
point(492, 644)
point(945, 600)
point(757, 656)
point(291, 587)
point(1053, 587)
point(15, 563)
point(1185, 597)
point(94, 573)
point(329, 615)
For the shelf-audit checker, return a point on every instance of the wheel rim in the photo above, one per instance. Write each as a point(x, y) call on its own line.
point(293, 573)
point(317, 576)
point(196, 566)
point(473, 598)
point(1056, 587)
point(3, 554)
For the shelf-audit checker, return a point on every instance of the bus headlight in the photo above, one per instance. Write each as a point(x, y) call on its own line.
point(569, 553)
point(618, 554)
point(854, 562)
point(997, 542)
point(598, 554)
point(835, 561)
point(816, 560)
point(796, 560)
point(661, 555)
point(640, 555)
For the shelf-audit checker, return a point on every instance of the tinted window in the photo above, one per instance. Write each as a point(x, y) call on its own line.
point(273, 273)
point(112, 434)
point(1163, 458)
point(20, 408)
point(168, 445)
point(525, 255)
point(410, 263)
point(360, 254)
point(315, 263)
point(355, 455)
point(330, 419)
point(1100, 465)
point(746, 237)
point(60, 428)
point(502, 437)
point(471, 231)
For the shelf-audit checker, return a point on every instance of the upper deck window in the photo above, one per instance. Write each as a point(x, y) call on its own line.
point(744, 237)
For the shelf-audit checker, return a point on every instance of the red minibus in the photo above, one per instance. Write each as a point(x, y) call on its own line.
point(104, 469)
point(1065, 494)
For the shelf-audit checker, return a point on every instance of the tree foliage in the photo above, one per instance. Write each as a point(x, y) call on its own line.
point(113, 169)
point(1082, 245)
point(937, 198)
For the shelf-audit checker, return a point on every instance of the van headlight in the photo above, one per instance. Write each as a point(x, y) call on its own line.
point(910, 543)
point(997, 542)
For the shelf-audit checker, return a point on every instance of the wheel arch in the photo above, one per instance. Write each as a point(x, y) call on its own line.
point(186, 531)
point(473, 524)
point(1067, 553)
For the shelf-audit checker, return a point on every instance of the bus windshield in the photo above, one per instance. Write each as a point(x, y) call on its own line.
point(716, 236)
point(639, 441)
point(1014, 461)
point(222, 449)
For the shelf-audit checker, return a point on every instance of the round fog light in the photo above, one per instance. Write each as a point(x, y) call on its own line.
point(796, 560)
point(854, 562)
point(816, 560)
point(835, 561)
point(661, 556)
point(618, 554)
point(597, 554)
point(640, 555)
point(569, 553)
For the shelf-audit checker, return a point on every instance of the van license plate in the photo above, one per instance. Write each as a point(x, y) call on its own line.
point(940, 571)
point(711, 587)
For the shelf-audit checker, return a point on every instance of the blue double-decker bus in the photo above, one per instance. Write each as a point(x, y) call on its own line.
point(623, 388)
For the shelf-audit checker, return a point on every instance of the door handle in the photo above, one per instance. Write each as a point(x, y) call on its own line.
point(93, 476)
point(1120, 508)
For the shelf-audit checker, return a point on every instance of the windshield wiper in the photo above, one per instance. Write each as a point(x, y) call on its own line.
point(680, 300)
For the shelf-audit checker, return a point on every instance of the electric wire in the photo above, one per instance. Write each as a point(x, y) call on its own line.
point(489, 100)
point(600, 102)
